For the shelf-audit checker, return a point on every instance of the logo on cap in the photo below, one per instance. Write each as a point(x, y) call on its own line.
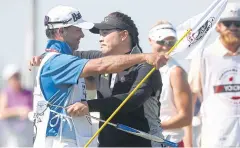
point(46, 20)
point(106, 19)
point(76, 16)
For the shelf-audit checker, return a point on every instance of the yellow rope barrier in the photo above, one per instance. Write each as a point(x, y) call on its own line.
point(133, 91)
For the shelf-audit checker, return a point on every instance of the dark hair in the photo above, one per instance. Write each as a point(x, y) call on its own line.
point(128, 21)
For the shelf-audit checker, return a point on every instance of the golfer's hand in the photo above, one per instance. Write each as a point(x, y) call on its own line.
point(35, 61)
point(78, 109)
point(156, 59)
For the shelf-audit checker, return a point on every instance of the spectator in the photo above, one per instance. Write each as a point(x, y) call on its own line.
point(176, 108)
point(215, 78)
point(15, 104)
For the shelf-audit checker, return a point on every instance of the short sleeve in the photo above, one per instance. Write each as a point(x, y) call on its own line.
point(66, 69)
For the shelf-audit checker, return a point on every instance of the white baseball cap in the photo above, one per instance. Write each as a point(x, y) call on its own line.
point(9, 71)
point(231, 12)
point(65, 16)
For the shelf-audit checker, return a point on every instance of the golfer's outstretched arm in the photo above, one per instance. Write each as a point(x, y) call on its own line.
point(118, 63)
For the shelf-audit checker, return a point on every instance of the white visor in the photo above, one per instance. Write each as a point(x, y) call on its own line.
point(162, 31)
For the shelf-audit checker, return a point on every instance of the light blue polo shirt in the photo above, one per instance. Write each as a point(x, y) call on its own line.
point(57, 77)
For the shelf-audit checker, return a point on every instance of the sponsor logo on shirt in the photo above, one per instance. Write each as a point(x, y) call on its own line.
point(227, 88)
point(229, 83)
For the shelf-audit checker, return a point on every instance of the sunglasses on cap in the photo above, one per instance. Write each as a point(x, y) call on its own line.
point(166, 42)
point(229, 23)
point(47, 22)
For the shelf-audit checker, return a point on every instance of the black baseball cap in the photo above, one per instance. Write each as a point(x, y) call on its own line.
point(111, 22)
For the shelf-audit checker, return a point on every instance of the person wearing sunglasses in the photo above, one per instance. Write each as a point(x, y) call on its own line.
point(214, 78)
point(60, 101)
point(175, 112)
point(119, 36)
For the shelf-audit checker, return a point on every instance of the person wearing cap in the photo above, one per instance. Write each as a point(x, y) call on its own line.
point(15, 104)
point(214, 77)
point(142, 110)
point(119, 36)
point(175, 98)
point(60, 95)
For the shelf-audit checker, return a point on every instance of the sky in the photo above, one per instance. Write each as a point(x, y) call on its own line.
point(23, 30)
point(144, 13)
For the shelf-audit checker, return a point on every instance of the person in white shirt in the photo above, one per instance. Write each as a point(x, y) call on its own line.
point(60, 102)
point(176, 107)
point(214, 77)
